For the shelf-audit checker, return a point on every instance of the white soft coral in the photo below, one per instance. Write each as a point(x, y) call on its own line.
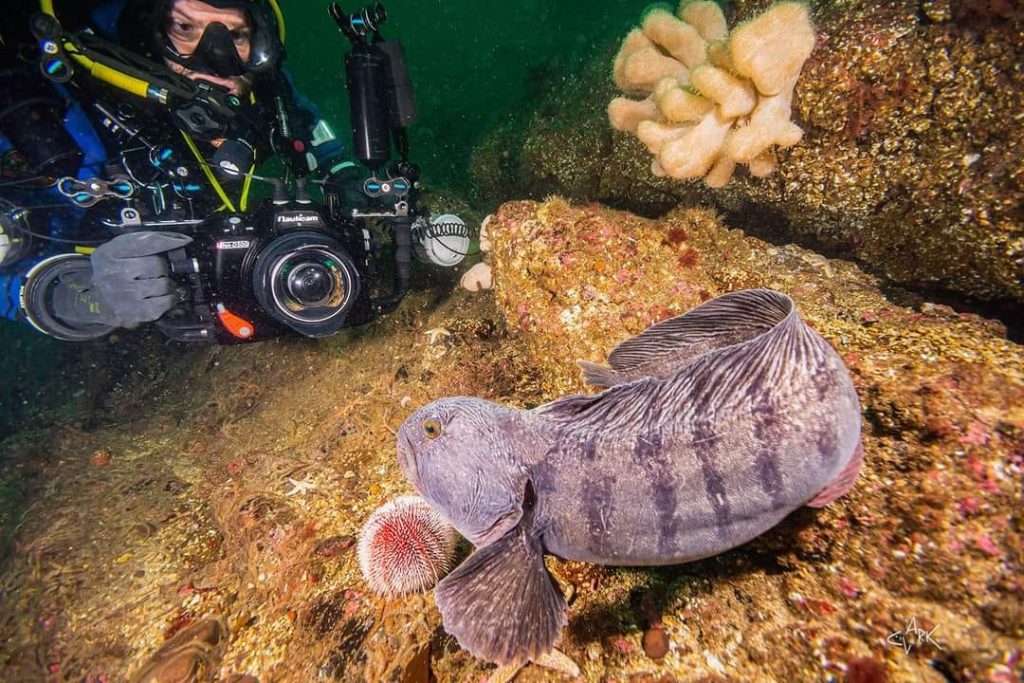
point(713, 99)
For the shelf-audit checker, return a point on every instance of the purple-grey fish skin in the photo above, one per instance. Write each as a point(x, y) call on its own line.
point(664, 471)
point(717, 424)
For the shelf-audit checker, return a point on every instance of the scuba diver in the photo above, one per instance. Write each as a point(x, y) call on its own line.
point(145, 120)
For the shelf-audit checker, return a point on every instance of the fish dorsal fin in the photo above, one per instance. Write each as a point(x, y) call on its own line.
point(501, 604)
point(723, 321)
point(660, 350)
point(771, 348)
point(620, 406)
point(597, 375)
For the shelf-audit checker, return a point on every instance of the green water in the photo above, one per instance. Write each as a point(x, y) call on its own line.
point(470, 62)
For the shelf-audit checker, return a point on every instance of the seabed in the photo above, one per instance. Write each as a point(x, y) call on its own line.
point(195, 518)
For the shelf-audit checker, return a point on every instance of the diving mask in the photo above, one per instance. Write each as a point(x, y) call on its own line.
point(216, 53)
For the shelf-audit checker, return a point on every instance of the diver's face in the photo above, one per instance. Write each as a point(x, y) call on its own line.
point(186, 23)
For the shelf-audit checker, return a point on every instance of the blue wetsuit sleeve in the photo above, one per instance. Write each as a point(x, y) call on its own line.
point(42, 222)
point(25, 209)
point(10, 291)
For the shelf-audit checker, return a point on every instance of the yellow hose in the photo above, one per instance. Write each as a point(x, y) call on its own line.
point(209, 174)
point(280, 18)
point(115, 78)
point(103, 72)
point(243, 203)
point(141, 88)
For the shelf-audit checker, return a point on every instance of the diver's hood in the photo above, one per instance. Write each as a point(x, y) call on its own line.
point(216, 53)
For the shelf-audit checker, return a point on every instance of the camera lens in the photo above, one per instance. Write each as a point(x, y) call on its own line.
point(307, 281)
point(311, 284)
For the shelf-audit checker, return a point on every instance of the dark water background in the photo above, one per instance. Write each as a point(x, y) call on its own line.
point(471, 62)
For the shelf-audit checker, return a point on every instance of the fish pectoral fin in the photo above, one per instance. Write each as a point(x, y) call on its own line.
point(597, 375)
point(499, 529)
point(501, 604)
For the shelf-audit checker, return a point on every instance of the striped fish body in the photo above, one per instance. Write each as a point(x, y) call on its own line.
point(719, 424)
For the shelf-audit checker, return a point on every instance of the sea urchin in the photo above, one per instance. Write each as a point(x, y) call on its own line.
point(405, 546)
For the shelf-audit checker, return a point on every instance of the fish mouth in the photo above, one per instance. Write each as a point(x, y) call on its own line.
point(407, 461)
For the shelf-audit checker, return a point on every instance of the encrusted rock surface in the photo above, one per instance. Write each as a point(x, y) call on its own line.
point(912, 159)
point(930, 532)
point(190, 552)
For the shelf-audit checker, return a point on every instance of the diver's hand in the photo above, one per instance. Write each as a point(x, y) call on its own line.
point(129, 282)
point(132, 278)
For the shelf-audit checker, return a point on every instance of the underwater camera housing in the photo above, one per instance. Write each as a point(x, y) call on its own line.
point(288, 268)
point(296, 267)
point(292, 266)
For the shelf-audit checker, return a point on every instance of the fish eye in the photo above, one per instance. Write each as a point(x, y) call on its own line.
point(432, 428)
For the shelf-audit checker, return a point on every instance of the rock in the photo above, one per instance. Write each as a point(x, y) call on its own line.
point(618, 643)
point(175, 486)
point(714, 663)
point(333, 546)
point(656, 642)
point(181, 668)
point(100, 458)
point(929, 530)
point(1006, 615)
point(144, 529)
point(191, 656)
point(909, 162)
point(865, 670)
point(418, 670)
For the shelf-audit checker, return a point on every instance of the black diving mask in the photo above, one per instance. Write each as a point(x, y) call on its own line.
point(217, 55)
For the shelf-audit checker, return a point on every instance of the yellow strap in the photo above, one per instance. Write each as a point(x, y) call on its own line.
point(209, 174)
point(105, 73)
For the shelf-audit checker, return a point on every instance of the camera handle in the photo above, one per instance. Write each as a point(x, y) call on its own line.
point(402, 233)
point(187, 329)
point(382, 105)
